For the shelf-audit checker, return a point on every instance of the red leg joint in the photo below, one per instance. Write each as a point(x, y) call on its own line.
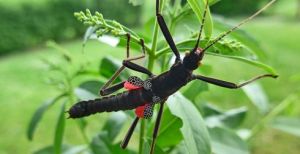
point(130, 86)
point(145, 111)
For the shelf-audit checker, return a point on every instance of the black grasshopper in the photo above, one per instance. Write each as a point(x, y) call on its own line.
point(143, 95)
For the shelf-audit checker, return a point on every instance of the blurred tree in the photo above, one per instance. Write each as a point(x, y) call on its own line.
point(30, 25)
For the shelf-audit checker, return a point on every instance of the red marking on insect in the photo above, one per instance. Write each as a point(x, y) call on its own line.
point(129, 86)
point(139, 111)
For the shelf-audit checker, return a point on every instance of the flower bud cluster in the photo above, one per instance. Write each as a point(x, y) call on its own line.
point(231, 44)
point(98, 21)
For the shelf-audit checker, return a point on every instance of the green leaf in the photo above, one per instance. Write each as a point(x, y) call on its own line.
point(102, 145)
point(45, 150)
point(248, 61)
point(170, 125)
point(194, 90)
point(157, 149)
point(198, 6)
point(232, 118)
point(257, 96)
point(293, 109)
point(225, 141)
point(240, 35)
point(213, 2)
point(180, 148)
point(82, 123)
point(88, 33)
point(287, 124)
point(114, 124)
point(59, 131)
point(92, 86)
point(75, 149)
point(136, 2)
point(211, 110)
point(230, 53)
point(194, 131)
point(99, 146)
point(232, 48)
point(83, 94)
point(133, 45)
point(39, 113)
point(147, 30)
point(109, 66)
point(273, 113)
point(205, 69)
point(66, 149)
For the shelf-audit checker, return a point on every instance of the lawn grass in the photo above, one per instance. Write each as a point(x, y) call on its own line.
point(22, 77)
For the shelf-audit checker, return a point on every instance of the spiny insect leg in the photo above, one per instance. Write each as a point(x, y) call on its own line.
point(103, 89)
point(144, 111)
point(112, 89)
point(126, 63)
point(156, 127)
point(117, 73)
point(164, 28)
point(129, 133)
point(230, 85)
point(137, 68)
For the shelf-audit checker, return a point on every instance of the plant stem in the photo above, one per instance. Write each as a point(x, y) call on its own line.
point(142, 133)
point(154, 42)
point(279, 108)
point(151, 59)
point(72, 99)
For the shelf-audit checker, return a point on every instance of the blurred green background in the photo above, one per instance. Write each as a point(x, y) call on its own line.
point(27, 25)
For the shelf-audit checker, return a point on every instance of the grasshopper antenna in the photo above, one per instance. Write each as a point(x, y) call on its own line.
point(236, 27)
point(202, 25)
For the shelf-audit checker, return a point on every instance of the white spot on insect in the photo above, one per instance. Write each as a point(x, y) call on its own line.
point(135, 81)
point(147, 85)
point(156, 99)
point(148, 112)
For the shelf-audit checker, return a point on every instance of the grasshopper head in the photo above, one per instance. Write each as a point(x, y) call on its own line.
point(193, 58)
